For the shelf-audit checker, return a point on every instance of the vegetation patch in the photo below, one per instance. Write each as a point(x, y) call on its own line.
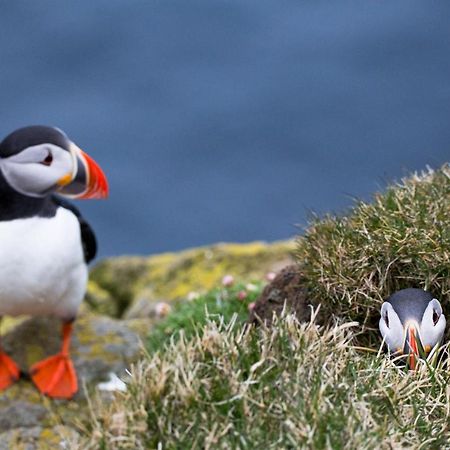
point(291, 386)
point(116, 283)
point(401, 239)
point(219, 305)
point(211, 380)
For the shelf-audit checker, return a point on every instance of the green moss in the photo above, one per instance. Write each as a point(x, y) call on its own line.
point(121, 279)
point(33, 353)
point(100, 300)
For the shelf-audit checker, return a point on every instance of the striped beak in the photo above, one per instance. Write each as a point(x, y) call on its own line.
point(413, 347)
point(87, 179)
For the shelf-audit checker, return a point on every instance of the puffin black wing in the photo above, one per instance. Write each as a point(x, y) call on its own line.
point(87, 234)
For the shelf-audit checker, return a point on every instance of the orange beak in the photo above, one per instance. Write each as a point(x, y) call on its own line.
point(413, 347)
point(96, 183)
point(87, 179)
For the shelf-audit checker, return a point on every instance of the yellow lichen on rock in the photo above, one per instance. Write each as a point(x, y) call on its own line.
point(172, 276)
point(100, 346)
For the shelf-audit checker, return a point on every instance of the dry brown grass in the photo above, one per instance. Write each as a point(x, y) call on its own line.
point(293, 386)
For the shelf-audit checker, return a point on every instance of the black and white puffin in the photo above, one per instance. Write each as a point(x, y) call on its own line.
point(412, 323)
point(45, 244)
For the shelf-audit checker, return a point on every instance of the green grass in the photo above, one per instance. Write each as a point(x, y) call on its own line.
point(291, 386)
point(188, 317)
point(401, 239)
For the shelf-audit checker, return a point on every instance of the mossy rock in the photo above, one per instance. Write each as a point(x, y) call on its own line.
point(100, 346)
point(172, 276)
point(114, 282)
point(39, 438)
point(100, 300)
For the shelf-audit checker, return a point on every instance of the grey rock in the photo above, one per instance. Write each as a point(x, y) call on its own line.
point(39, 438)
point(21, 414)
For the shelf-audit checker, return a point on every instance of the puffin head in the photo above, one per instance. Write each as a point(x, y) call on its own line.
point(412, 323)
point(36, 161)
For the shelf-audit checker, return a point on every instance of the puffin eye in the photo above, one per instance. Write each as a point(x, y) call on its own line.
point(48, 159)
point(436, 316)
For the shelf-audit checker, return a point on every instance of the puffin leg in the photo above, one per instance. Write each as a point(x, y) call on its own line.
point(9, 372)
point(55, 376)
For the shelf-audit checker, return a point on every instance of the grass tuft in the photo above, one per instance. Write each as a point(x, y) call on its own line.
point(401, 239)
point(291, 386)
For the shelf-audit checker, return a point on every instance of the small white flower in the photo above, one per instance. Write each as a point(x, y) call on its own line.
point(192, 296)
point(162, 309)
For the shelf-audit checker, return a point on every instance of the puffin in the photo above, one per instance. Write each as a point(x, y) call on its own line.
point(45, 243)
point(412, 323)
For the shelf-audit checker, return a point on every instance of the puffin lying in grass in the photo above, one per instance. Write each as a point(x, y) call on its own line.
point(45, 244)
point(412, 324)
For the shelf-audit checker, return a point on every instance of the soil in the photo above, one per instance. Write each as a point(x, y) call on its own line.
point(288, 288)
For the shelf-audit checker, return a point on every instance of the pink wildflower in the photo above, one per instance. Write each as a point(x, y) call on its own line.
point(227, 280)
point(242, 295)
point(270, 276)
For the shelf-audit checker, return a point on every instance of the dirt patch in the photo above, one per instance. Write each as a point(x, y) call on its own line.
point(287, 288)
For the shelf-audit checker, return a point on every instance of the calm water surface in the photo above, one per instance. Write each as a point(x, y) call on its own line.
point(230, 120)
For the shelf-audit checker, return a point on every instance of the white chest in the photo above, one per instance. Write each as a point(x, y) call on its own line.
point(42, 268)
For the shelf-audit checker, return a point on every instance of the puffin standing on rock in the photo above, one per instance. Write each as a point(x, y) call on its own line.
point(412, 324)
point(45, 244)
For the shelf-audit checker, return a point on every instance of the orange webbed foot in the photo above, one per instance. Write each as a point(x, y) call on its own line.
point(9, 372)
point(55, 376)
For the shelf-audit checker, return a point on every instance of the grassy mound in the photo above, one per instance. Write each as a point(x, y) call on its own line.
point(293, 386)
point(222, 384)
point(401, 239)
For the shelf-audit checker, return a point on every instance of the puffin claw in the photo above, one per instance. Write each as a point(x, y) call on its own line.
point(55, 376)
point(9, 372)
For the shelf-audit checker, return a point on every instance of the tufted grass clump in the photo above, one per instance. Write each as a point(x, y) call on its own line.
point(291, 386)
point(401, 239)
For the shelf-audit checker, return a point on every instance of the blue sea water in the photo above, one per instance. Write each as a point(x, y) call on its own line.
point(230, 120)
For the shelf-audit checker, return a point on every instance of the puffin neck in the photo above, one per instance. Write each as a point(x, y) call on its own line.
point(14, 205)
